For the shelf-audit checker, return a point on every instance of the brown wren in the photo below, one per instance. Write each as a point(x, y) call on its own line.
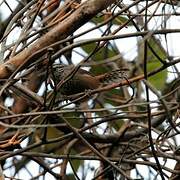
point(83, 80)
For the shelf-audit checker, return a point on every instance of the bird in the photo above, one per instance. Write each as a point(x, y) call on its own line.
point(83, 80)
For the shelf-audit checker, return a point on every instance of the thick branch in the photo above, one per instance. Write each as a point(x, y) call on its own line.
point(83, 14)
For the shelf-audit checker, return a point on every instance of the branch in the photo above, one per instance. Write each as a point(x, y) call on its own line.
point(80, 16)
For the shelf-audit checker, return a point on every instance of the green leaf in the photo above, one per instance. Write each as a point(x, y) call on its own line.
point(71, 177)
point(99, 56)
point(76, 164)
point(121, 20)
point(73, 118)
point(117, 124)
point(97, 20)
point(114, 97)
point(116, 21)
point(159, 79)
